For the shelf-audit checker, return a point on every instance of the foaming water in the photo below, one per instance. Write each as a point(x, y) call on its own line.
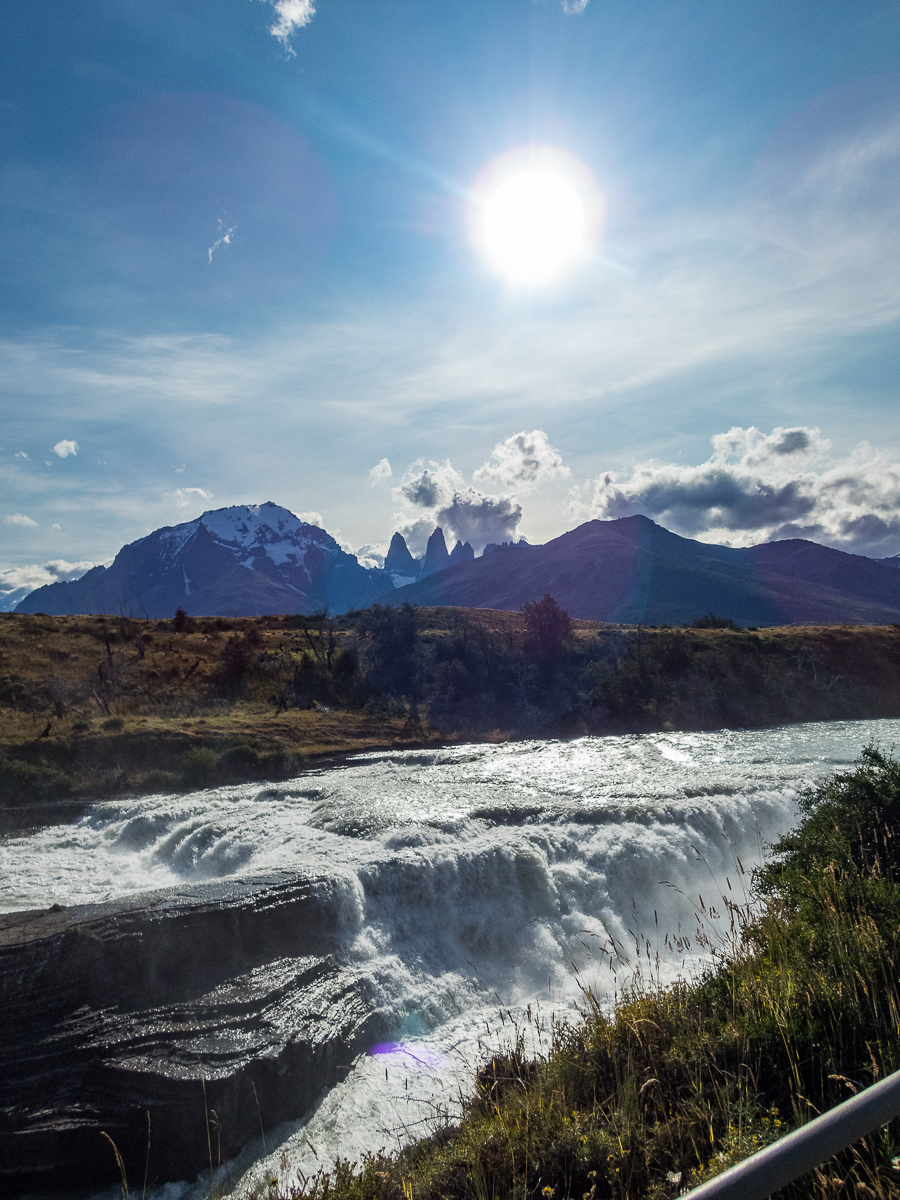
point(475, 881)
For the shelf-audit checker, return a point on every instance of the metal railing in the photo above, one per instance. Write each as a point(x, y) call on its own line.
point(806, 1148)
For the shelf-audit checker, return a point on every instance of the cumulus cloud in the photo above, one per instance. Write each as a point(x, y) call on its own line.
point(65, 448)
point(430, 486)
point(371, 556)
point(436, 494)
point(290, 15)
point(17, 582)
point(21, 454)
point(524, 461)
point(758, 487)
point(474, 517)
point(380, 472)
point(312, 518)
point(189, 496)
point(18, 519)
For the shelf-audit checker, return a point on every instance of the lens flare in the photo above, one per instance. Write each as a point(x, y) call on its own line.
point(407, 1053)
point(534, 215)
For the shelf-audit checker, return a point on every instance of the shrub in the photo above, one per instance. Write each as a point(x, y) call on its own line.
point(159, 780)
point(243, 759)
point(235, 661)
point(711, 621)
point(547, 627)
point(200, 765)
point(394, 649)
point(20, 780)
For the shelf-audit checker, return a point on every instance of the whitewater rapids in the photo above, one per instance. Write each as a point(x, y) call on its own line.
point(475, 881)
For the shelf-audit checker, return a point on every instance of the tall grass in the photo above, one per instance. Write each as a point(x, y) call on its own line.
point(799, 1009)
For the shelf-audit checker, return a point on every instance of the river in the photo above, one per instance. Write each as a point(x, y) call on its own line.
point(482, 888)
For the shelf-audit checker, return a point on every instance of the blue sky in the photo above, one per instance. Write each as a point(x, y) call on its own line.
point(235, 266)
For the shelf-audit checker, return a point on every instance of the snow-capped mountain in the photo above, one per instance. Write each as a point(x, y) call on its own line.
point(246, 560)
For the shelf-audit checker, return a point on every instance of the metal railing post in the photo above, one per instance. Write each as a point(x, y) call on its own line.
point(807, 1147)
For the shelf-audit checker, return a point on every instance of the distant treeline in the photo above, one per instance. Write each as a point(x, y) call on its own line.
point(90, 704)
point(539, 673)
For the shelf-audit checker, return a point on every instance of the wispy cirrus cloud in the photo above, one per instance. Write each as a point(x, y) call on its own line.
point(224, 238)
point(189, 497)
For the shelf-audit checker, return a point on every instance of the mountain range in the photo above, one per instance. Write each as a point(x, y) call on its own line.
point(250, 560)
point(631, 570)
point(241, 561)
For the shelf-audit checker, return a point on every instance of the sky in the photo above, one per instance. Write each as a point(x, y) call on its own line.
point(245, 255)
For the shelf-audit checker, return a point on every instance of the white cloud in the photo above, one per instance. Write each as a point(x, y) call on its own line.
point(758, 487)
point(471, 516)
point(291, 15)
point(380, 472)
point(65, 448)
point(59, 568)
point(18, 519)
point(437, 495)
point(572, 7)
point(22, 454)
point(17, 582)
point(430, 486)
point(312, 518)
point(371, 556)
point(224, 238)
point(524, 461)
point(189, 496)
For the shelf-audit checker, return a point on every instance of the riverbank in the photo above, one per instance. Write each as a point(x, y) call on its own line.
point(94, 706)
point(800, 1010)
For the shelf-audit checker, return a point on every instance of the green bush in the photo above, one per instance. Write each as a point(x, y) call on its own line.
point(242, 759)
point(20, 781)
point(200, 764)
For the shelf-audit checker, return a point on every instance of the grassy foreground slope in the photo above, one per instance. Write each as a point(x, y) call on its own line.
point(105, 704)
point(800, 1009)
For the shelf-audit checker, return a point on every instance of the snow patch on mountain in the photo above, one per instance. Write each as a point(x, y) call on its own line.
point(241, 561)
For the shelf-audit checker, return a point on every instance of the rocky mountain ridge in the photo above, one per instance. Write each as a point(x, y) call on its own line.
point(253, 560)
point(633, 571)
point(247, 560)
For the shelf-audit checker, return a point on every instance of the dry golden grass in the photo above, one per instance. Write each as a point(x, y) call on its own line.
point(116, 703)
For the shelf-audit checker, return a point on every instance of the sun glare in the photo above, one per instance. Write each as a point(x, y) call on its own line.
point(534, 215)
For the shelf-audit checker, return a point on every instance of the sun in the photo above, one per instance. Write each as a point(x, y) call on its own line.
point(534, 214)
